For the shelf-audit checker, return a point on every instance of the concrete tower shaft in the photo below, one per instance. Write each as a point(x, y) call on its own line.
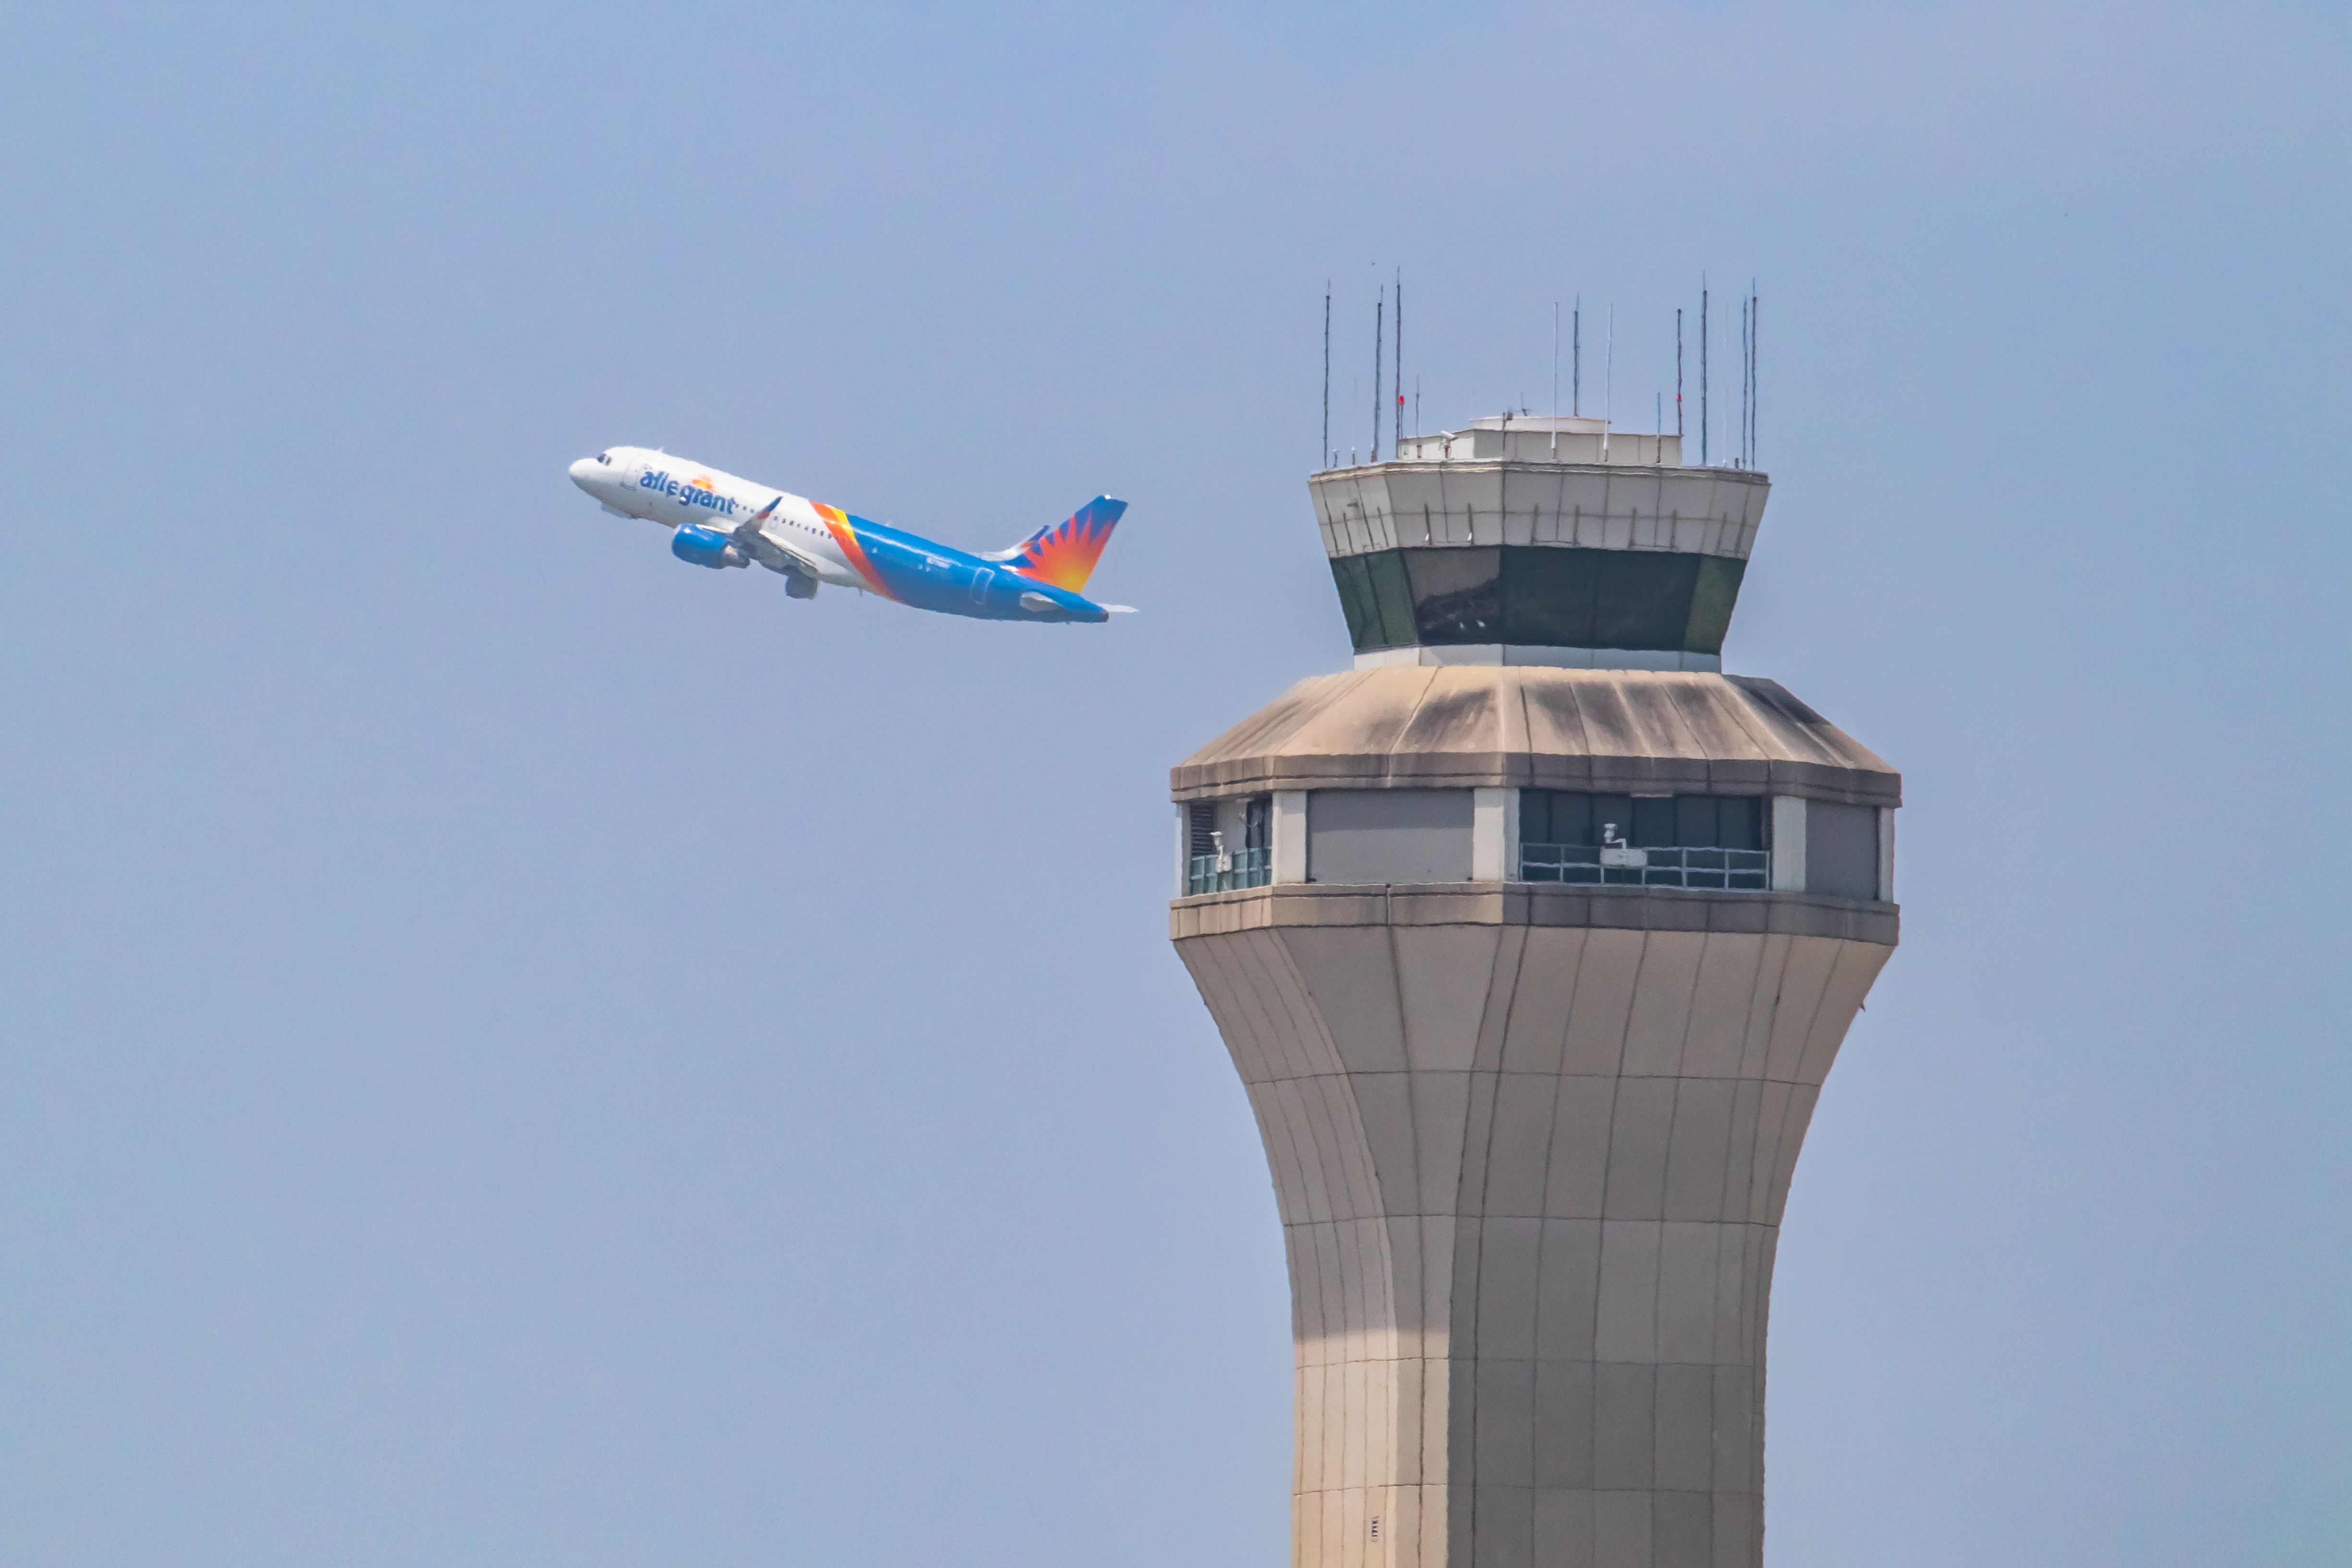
point(1533, 938)
point(1531, 1142)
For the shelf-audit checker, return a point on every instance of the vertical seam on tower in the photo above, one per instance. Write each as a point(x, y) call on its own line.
point(1690, 1011)
point(1848, 952)
point(1679, 725)
point(1518, 689)
point(1519, 748)
point(1543, 1227)
point(1755, 992)
point(1742, 1207)
point(1665, 1188)
point(1388, 758)
point(1419, 1207)
point(1608, 1162)
point(1609, 1166)
point(1485, 1164)
point(1543, 1202)
point(1576, 715)
point(1777, 754)
point(1821, 999)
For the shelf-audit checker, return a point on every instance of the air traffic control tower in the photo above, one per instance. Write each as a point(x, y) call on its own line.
point(1533, 936)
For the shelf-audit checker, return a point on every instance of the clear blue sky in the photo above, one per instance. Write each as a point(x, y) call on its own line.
point(513, 1050)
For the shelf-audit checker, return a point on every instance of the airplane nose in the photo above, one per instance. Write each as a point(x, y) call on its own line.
point(585, 472)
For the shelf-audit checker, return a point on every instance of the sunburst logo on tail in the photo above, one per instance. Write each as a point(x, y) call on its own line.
point(1065, 555)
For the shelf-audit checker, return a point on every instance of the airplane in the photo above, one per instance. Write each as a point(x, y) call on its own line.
point(719, 521)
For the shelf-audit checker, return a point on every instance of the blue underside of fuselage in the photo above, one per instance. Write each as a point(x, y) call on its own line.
point(931, 576)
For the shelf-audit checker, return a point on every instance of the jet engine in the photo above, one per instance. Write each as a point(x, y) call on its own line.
point(705, 547)
point(799, 581)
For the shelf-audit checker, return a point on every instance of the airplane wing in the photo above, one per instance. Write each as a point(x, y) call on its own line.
point(775, 554)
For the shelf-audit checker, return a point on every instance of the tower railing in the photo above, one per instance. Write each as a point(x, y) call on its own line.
point(1228, 872)
point(1597, 866)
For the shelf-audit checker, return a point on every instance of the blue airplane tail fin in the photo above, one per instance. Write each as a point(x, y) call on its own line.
point(1065, 553)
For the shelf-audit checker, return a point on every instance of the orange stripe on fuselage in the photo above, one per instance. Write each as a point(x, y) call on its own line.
point(837, 522)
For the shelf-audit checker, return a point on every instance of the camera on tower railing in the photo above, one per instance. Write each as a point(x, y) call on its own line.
point(1617, 854)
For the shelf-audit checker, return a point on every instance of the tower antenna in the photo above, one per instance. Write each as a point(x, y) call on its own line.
point(1576, 358)
point(1755, 311)
point(1327, 372)
point(1396, 447)
point(1608, 383)
point(1678, 372)
point(1702, 370)
point(1747, 382)
point(1379, 329)
point(1555, 375)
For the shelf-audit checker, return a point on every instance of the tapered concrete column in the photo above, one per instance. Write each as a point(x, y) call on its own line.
point(1531, 1179)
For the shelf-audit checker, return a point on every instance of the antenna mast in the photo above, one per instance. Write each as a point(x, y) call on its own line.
point(1555, 375)
point(1755, 309)
point(1327, 372)
point(1576, 358)
point(1396, 447)
point(1742, 460)
point(1702, 370)
point(1379, 329)
point(1678, 372)
point(1608, 383)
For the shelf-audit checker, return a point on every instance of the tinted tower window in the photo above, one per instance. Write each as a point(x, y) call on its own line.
point(1689, 841)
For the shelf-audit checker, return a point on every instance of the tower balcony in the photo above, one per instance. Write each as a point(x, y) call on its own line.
point(1682, 789)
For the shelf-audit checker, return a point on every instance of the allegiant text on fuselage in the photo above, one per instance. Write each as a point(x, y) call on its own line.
point(692, 494)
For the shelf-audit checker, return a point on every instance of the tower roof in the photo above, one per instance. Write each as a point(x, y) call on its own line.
point(1473, 726)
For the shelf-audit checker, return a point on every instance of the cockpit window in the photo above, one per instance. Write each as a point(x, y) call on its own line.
point(606, 459)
